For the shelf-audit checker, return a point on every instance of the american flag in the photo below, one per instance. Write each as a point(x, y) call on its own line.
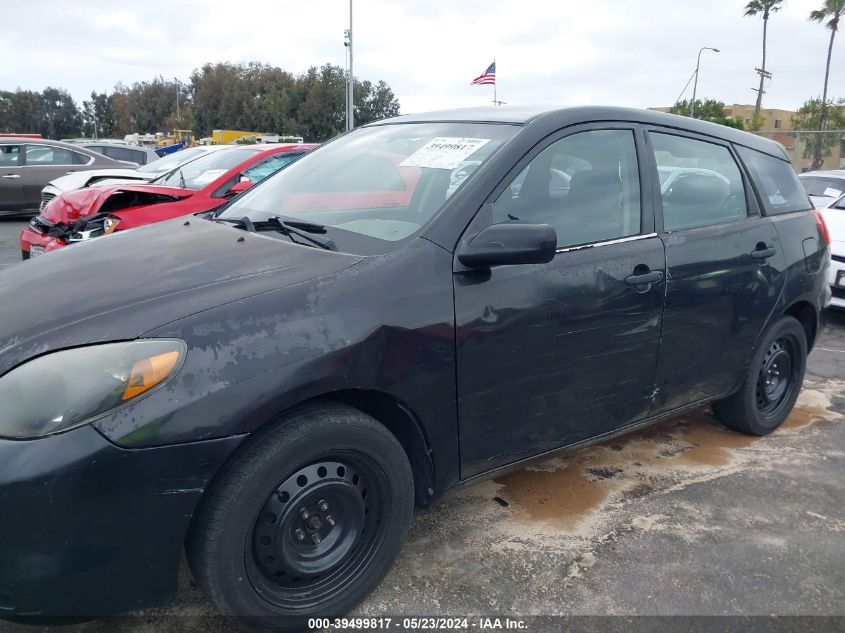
point(488, 77)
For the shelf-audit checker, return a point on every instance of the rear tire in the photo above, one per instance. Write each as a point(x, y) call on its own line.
point(305, 521)
point(772, 383)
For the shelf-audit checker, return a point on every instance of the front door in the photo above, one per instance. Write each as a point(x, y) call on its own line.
point(549, 355)
point(725, 269)
point(11, 176)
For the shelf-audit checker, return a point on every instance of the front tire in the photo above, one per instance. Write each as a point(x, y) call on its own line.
point(772, 383)
point(305, 521)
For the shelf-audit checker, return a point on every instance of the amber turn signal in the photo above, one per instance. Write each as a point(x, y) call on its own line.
point(148, 372)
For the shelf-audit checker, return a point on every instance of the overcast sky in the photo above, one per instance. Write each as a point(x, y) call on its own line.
point(621, 52)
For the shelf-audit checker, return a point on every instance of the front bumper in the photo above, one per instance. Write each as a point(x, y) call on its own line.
point(88, 528)
point(30, 237)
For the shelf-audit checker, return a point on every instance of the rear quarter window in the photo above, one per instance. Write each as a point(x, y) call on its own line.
point(779, 188)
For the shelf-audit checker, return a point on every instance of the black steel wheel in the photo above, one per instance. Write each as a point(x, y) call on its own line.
point(776, 376)
point(304, 520)
point(772, 381)
point(316, 531)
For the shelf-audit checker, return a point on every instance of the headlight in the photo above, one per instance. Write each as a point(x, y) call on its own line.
point(69, 388)
point(89, 228)
point(110, 224)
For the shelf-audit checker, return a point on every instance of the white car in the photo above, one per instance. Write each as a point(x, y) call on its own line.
point(834, 217)
point(150, 171)
point(823, 187)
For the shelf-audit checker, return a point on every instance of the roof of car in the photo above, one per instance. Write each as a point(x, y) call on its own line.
point(10, 140)
point(558, 117)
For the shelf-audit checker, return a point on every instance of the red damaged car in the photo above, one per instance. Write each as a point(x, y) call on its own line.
point(201, 185)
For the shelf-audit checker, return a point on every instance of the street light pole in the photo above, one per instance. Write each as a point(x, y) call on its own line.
point(695, 85)
point(350, 78)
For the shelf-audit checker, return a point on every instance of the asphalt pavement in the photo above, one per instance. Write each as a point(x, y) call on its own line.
point(10, 250)
point(686, 518)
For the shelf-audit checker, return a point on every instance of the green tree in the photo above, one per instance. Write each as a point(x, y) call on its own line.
point(707, 110)
point(99, 116)
point(374, 102)
point(60, 116)
point(829, 14)
point(24, 112)
point(809, 121)
point(766, 8)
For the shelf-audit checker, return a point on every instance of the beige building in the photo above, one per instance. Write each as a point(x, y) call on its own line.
point(777, 125)
point(774, 120)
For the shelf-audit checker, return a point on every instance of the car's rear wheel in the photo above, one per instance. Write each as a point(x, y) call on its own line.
point(305, 520)
point(772, 382)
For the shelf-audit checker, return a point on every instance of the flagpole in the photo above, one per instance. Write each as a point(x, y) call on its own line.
point(495, 101)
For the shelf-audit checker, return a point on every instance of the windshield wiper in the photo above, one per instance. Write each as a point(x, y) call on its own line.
point(181, 179)
point(288, 229)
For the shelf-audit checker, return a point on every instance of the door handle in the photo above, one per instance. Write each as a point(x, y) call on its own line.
point(763, 253)
point(653, 277)
point(12, 176)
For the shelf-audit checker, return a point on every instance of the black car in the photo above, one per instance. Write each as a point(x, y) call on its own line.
point(414, 306)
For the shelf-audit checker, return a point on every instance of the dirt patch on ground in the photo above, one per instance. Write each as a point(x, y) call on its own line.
point(805, 416)
point(564, 493)
point(561, 497)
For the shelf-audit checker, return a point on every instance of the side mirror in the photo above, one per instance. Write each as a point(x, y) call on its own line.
point(502, 244)
point(239, 187)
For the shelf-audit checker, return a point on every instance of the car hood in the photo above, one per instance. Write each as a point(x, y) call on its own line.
point(120, 286)
point(80, 203)
point(80, 179)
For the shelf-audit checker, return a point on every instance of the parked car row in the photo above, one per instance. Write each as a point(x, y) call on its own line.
point(208, 179)
point(422, 303)
point(150, 171)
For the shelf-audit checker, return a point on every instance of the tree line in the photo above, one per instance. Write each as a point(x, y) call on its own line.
point(252, 96)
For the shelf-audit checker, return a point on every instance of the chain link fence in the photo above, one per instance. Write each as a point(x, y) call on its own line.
point(811, 150)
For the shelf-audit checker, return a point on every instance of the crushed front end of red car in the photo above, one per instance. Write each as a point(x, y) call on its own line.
point(83, 214)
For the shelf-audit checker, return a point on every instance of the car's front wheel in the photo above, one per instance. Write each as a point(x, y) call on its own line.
point(305, 520)
point(772, 382)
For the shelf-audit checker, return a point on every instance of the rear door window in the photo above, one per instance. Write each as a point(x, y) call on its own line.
point(51, 155)
point(123, 153)
point(779, 188)
point(700, 182)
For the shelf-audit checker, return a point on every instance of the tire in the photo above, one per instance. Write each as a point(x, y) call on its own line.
point(258, 557)
point(772, 381)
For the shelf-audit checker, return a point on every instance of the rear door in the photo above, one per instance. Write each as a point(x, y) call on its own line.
point(11, 177)
point(551, 354)
point(43, 163)
point(725, 268)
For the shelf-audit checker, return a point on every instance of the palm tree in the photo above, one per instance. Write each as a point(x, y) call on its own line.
point(831, 11)
point(753, 8)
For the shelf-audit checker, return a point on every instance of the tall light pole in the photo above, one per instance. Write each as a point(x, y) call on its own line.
point(178, 85)
point(695, 85)
point(350, 76)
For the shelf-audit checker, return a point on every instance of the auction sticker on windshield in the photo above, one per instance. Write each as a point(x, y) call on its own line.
point(444, 152)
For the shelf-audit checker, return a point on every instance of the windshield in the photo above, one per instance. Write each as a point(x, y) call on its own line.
point(171, 160)
point(376, 186)
point(202, 171)
point(821, 186)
